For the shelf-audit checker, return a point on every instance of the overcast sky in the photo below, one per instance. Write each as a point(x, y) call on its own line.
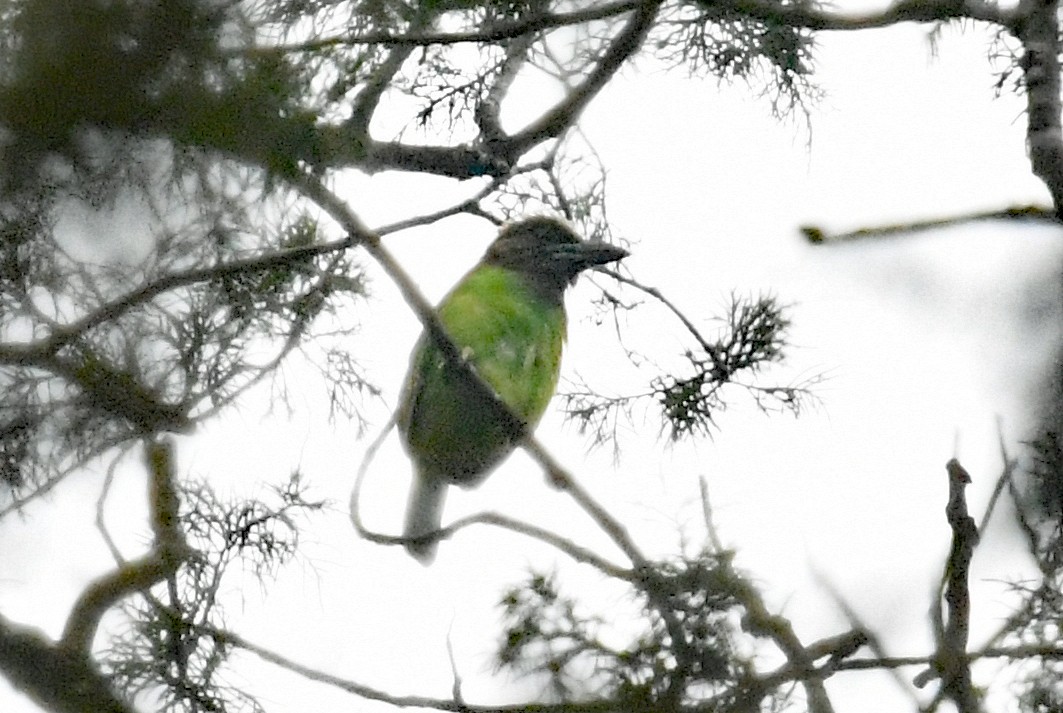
point(926, 340)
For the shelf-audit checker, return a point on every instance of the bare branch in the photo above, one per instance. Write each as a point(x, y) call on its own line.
point(813, 17)
point(489, 110)
point(55, 677)
point(1005, 478)
point(656, 294)
point(374, 694)
point(951, 661)
point(375, 86)
point(19, 354)
point(554, 121)
point(779, 629)
point(818, 235)
point(891, 664)
point(168, 552)
point(530, 24)
point(1037, 27)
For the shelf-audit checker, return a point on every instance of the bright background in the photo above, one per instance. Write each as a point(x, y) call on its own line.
point(927, 341)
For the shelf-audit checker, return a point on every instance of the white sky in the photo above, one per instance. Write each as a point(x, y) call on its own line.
point(927, 339)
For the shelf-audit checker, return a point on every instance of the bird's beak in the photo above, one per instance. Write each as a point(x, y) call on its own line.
point(584, 255)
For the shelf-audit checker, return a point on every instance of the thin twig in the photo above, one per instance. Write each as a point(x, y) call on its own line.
point(669, 305)
point(872, 641)
point(101, 501)
point(1004, 479)
point(706, 513)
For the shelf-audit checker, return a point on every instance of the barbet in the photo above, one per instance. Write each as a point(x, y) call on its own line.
point(507, 318)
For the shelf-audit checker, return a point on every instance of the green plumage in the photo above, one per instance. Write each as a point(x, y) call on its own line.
point(513, 340)
point(507, 318)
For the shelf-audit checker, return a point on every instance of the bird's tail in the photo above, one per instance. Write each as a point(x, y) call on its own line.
point(424, 513)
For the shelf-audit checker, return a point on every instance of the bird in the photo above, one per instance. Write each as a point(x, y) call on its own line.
point(506, 317)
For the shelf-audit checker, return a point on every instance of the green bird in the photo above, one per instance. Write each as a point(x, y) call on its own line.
point(507, 317)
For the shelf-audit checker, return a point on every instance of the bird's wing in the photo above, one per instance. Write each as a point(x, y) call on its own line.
point(412, 388)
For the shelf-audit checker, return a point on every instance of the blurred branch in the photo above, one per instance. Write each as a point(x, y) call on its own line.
point(374, 694)
point(951, 662)
point(375, 85)
point(813, 17)
point(63, 677)
point(488, 111)
point(65, 334)
point(525, 25)
point(837, 649)
point(168, 552)
point(55, 677)
point(555, 120)
point(1037, 27)
point(1006, 477)
point(873, 642)
point(494, 153)
point(801, 659)
point(50, 484)
point(798, 15)
point(42, 353)
point(568, 547)
point(110, 388)
point(706, 515)
point(818, 235)
point(125, 391)
point(1053, 650)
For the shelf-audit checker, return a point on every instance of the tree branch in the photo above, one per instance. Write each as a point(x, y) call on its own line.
point(168, 552)
point(813, 17)
point(370, 693)
point(460, 162)
point(801, 660)
point(1038, 30)
point(489, 110)
point(369, 96)
point(554, 121)
point(818, 235)
point(62, 677)
point(530, 24)
point(56, 678)
point(951, 662)
point(21, 354)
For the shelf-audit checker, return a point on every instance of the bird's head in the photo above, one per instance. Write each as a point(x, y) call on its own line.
point(548, 253)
